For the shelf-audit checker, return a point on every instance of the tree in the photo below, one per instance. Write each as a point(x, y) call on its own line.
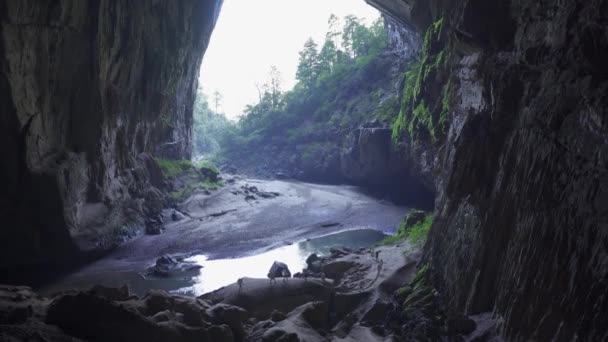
point(351, 23)
point(275, 87)
point(309, 64)
point(333, 31)
point(356, 37)
point(327, 57)
point(217, 99)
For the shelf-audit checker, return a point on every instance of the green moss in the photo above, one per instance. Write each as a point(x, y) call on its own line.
point(423, 116)
point(407, 99)
point(172, 168)
point(206, 177)
point(414, 113)
point(415, 233)
point(188, 190)
point(445, 107)
point(207, 165)
point(418, 297)
point(421, 273)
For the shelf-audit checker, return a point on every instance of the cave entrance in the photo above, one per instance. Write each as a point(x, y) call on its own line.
point(306, 91)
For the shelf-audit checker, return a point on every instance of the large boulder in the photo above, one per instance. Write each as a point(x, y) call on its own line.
point(169, 267)
point(312, 258)
point(231, 315)
point(90, 317)
point(279, 270)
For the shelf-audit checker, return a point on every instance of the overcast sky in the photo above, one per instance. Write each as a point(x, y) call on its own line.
point(252, 35)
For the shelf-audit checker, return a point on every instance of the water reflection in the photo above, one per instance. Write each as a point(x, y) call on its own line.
point(221, 272)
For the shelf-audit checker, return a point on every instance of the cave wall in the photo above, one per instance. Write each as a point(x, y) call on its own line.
point(521, 225)
point(89, 91)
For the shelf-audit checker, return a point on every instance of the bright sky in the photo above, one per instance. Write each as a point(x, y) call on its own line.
point(250, 36)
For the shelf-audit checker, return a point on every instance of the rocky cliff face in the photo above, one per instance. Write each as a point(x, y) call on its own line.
point(520, 169)
point(359, 150)
point(89, 90)
point(370, 157)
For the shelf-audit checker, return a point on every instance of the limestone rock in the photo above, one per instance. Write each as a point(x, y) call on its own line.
point(279, 270)
point(90, 92)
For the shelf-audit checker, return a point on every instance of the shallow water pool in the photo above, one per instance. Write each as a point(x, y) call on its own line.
point(221, 272)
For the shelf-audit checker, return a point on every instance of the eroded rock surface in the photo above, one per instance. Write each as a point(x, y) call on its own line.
point(86, 88)
point(520, 165)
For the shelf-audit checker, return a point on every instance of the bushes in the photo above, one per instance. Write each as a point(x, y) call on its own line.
point(172, 168)
point(188, 177)
point(414, 226)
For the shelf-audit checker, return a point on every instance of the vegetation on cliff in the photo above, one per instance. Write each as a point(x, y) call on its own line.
point(186, 177)
point(347, 80)
point(414, 226)
point(420, 115)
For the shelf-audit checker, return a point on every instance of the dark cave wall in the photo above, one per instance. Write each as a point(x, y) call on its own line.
point(89, 91)
point(521, 225)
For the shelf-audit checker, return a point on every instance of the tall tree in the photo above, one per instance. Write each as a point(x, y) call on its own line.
point(309, 63)
point(356, 37)
point(217, 99)
point(351, 23)
point(333, 31)
point(327, 57)
point(275, 86)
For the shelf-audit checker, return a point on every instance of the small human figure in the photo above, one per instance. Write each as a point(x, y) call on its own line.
point(305, 273)
point(271, 278)
point(377, 254)
point(240, 283)
point(285, 275)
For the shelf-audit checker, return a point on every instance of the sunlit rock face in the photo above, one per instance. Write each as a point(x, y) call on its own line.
point(521, 174)
point(86, 87)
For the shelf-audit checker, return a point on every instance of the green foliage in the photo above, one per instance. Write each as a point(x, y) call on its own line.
point(207, 167)
point(313, 152)
point(415, 233)
point(422, 116)
point(308, 68)
point(407, 99)
point(339, 87)
point(210, 128)
point(200, 176)
point(187, 191)
point(172, 168)
point(387, 109)
point(415, 115)
point(421, 274)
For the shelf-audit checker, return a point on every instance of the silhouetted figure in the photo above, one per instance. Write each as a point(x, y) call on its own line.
point(377, 254)
point(285, 275)
point(271, 278)
point(240, 283)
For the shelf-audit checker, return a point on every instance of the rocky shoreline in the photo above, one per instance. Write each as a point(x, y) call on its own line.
point(358, 296)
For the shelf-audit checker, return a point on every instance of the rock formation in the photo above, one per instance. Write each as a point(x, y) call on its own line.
point(520, 168)
point(506, 121)
point(89, 91)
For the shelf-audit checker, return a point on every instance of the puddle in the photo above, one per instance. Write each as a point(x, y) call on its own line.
point(222, 272)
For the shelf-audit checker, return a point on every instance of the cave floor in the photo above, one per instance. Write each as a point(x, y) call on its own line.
point(237, 220)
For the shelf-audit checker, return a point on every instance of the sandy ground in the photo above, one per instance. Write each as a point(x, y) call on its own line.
point(226, 225)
